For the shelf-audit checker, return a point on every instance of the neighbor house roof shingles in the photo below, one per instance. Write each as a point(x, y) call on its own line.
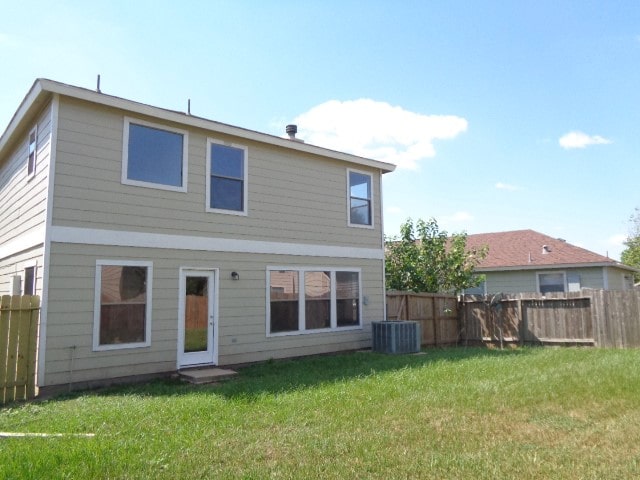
point(524, 249)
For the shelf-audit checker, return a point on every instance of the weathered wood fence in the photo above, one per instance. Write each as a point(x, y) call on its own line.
point(18, 343)
point(601, 318)
point(437, 315)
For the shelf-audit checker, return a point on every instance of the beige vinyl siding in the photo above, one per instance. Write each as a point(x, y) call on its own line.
point(23, 203)
point(292, 196)
point(241, 311)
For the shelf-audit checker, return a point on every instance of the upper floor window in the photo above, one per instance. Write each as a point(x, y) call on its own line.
point(154, 156)
point(360, 199)
point(226, 178)
point(32, 152)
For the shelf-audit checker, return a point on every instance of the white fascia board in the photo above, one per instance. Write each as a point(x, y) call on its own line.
point(25, 106)
point(121, 238)
point(210, 125)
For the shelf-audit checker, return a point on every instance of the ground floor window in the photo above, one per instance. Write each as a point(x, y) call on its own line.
point(551, 282)
point(29, 281)
point(305, 300)
point(122, 313)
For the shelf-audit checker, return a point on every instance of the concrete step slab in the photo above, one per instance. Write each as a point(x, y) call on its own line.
point(199, 376)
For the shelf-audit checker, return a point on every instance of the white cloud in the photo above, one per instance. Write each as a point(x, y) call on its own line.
point(459, 217)
point(506, 186)
point(617, 240)
point(377, 130)
point(577, 139)
point(394, 210)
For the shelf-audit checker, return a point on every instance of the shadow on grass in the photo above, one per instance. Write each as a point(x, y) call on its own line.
point(281, 376)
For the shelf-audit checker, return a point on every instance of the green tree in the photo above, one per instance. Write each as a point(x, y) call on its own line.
point(631, 255)
point(425, 259)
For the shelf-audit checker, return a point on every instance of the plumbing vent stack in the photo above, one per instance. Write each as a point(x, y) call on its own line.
point(291, 131)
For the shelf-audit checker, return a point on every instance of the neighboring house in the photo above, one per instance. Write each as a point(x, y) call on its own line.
point(159, 240)
point(528, 261)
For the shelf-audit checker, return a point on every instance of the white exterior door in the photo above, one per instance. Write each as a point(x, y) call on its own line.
point(197, 322)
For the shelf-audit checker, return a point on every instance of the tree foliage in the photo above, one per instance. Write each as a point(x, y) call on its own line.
point(425, 259)
point(631, 255)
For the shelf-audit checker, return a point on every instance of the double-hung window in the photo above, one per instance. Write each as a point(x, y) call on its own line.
point(32, 152)
point(226, 178)
point(154, 156)
point(122, 310)
point(360, 199)
point(307, 300)
point(551, 282)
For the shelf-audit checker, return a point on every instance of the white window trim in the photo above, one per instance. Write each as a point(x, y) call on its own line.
point(97, 304)
point(245, 182)
point(359, 225)
point(33, 131)
point(552, 272)
point(125, 155)
point(301, 300)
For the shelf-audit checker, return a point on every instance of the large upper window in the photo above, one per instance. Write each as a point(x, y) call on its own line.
point(360, 199)
point(305, 300)
point(551, 282)
point(154, 156)
point(32, 152)
point(226, 178)
point(122, 311)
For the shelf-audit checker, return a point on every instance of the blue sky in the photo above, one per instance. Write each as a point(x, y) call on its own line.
point(501, 115)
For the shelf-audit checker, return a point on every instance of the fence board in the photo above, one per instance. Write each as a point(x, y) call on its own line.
point(437, 315)
point(604, 318)
point(18, 343)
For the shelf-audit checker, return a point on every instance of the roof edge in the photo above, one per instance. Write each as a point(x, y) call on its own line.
point(559, 266)
point(43, 85)
point(23, 109)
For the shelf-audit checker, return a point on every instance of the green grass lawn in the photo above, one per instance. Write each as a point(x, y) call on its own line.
point(453, 413)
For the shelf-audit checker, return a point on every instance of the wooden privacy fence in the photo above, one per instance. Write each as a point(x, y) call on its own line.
point(602, 318)
point(436, 313)
point(18, 342)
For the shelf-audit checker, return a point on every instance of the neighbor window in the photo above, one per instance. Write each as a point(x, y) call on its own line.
point(226, 178)
point(154, 156)
point(551, 282)
point(32, 152)
point(304, 300)
point(29, 281)
point(360, 211)
point(122, 315)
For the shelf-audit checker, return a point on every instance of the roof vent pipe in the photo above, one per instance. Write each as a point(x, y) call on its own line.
point(545, 249)
point(291, 131)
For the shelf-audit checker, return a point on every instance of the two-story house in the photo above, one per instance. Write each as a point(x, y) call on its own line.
point(159, 240)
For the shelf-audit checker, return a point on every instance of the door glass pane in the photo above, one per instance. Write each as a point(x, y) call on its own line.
point(196, 314)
